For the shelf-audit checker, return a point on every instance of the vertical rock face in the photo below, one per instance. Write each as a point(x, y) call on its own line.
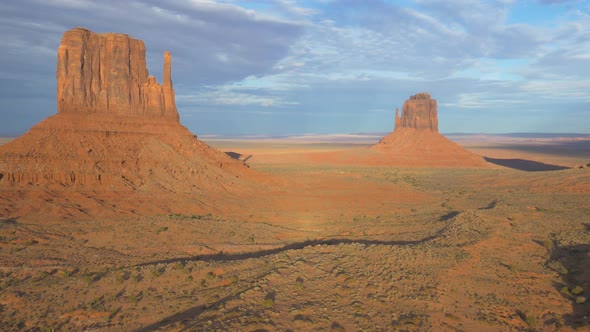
point(419, 112)
point(106, 73)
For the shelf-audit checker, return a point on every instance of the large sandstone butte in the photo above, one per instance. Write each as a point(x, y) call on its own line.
point(106, 73)
point(116, 131)
point(415, 140)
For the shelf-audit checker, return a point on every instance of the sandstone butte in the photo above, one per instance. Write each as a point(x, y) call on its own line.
point(116, 128)
point(415, 140)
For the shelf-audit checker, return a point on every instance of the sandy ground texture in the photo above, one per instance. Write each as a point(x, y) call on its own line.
point(332, 245)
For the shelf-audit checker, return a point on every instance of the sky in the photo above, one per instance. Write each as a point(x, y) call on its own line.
point(284, 67)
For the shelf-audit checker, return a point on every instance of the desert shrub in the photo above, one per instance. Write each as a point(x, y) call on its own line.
point(90, 278)
point(268, 303)
point(136, 297)
point(564, 290)
point(530, 320)
point(136, 277)
point(548, 244)
point(121, 277)
point(156, 272)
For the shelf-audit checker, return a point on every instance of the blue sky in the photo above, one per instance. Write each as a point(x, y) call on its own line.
point(273, 67)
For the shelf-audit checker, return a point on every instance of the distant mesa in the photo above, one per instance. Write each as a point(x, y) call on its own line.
point(116, 128)
point(415, 140)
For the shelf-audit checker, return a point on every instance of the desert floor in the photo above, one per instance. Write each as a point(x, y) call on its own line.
point(334, 247)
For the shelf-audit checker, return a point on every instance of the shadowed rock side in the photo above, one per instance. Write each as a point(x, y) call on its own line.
point(415, 140)
point(116, 129)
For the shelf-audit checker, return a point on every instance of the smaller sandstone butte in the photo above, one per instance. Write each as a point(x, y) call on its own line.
point(106, 73)
point(415, 140)
point(418, 112)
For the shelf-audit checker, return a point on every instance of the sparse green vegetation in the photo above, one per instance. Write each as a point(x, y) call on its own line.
point(565, 291)
point(156, 272)
point(530, 320)
point(121, 277)
point(161, 229)
point(577, 290)
point(268, 303)
point(89, 279)
point(548, 244)
point(136, 277)
point(135, 298)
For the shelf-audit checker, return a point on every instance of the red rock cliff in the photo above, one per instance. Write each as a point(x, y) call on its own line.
point(418, 112)
point(106, 73)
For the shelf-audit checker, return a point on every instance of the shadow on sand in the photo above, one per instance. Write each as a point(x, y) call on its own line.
point(238, 156)
point(229, 257)
point(191, 314)
point(573, 264)
point(525, 165)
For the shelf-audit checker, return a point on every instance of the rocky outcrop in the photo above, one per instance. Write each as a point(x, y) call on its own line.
point(106, 73)
point(415, 140)
point(116, 134)
point(419, 112)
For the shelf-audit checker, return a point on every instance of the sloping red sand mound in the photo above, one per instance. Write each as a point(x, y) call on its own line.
point(113, 166)
point(418, 147)
point(96, 152)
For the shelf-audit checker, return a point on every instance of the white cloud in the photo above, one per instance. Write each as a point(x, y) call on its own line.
point(227, 96)
point(559, 89)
